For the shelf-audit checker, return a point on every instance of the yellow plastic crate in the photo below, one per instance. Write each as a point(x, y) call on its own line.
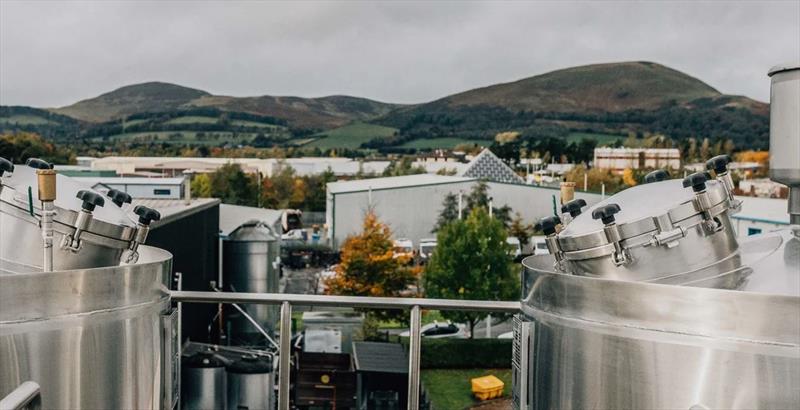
point(487, 387)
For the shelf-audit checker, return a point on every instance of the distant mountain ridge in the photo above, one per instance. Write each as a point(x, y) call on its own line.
point(314, 113)
point(614, 98)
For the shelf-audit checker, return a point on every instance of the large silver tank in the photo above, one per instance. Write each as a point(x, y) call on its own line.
point(784, 132)
point(250, 255)
point(108, 235)
point(203, 382)
point(251, 381)
point(99, 338)
point(600, 343)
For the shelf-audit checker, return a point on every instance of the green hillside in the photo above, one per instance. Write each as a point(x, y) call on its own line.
point(351, 136)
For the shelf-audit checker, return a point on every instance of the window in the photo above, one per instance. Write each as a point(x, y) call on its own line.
point(753, 231)
point(162, 192)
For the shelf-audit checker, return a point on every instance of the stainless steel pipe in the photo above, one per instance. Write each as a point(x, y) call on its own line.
point(285, 351)
point(27, 395)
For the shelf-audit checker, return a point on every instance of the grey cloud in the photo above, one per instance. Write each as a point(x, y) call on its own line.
point(55, 53)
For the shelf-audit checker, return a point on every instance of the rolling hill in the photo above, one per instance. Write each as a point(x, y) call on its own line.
point(612, 99)
point(312, 113)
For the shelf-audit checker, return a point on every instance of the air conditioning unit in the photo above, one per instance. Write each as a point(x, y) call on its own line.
point(519, 362)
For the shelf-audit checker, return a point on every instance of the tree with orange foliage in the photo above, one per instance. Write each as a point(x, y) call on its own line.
point(368, 266)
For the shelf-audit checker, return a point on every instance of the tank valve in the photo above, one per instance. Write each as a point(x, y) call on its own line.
point(719, 165)
point(5, 166)
point(119, 197)
point(572, 209)
point(702, 202)
point(146, 217)
point(90, 201)
point(656, 176)
point(549, 226)
point(606, 215)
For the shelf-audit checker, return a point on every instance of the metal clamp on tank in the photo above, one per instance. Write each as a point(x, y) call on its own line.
point(90, 200)
point(668, 234)
point(701, 200)
point(719, 165)
point(606, 214)
point(146, 216)
point(572, 209)
point(548, 225)
point(118, 197)
point(656, 176)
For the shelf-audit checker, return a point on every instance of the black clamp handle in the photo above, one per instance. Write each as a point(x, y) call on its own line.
point(548, 225)
point(573, 207)
point(90, 199)
point(146, 215)
point(606, 213)
point(119, 197)
point(5, 166)
point(656, 176)
point(697, 181)
point(38, 163)
point(719, 164)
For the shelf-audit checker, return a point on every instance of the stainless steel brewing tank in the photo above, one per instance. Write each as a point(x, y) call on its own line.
point(92, 338)
point(107, 236)
point(784, 132)
point(203, 382)
point(647, 212)
point(602, 343)
point(250, 383)
point(250, 255)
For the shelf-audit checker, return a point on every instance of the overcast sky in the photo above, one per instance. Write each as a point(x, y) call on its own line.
point(55, 53)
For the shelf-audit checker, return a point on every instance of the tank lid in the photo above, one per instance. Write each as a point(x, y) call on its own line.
point(251, 364)
point(253, 231)
point(784, 67)
point(203, 360)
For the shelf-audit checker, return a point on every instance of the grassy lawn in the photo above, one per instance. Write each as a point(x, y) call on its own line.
point(351, 136)
point(602, 139)
point(451, 389)
point(446, 142)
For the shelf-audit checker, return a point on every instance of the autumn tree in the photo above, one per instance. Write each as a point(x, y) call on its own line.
point(368, 267)
point(471, 262)
point(520, 229)
point(20, 146)
point(228, 183)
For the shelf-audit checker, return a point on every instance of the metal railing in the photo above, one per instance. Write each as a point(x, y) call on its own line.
point(287, 300)
point(26, 396)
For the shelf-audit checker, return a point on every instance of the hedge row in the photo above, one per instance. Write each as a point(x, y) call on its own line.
point(465, 353)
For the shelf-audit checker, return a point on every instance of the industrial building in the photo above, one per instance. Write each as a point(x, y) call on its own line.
point(619, 159)
point(138, 187)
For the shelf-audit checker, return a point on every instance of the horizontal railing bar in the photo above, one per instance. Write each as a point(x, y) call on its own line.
point(345, 301)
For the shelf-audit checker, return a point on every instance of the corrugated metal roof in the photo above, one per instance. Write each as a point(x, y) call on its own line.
point(233, 216)
point(174, 209)
point(393, 182)
point(380, 357)
point(773, 210)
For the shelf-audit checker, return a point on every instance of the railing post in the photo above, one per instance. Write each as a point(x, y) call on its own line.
point(413, 359)
point(27, 394)
point(284, 372)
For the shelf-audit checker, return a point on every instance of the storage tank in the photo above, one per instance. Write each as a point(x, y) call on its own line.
point(784, 132)
point(648, 300)
point(250, 258)
point(203, 382)
point(92, 333)
point(251, 383)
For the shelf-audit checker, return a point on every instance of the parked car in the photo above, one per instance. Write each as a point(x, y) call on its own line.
point(437, 330)
point(539, 245)
point(514, 247)
point(426, 248)
point(403, 247)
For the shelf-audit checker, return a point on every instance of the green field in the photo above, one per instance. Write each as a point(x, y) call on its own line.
point(245, 123)
point(192, 119)
point(602, 139)
point(25, 120)
point(183, 137)
point(351, 136)
point(445, 142)
point(451, 388)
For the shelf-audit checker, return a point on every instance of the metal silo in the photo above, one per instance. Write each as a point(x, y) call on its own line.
point(250, 264)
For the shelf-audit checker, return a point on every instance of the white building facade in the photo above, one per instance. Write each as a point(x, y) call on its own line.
point(618, 159)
